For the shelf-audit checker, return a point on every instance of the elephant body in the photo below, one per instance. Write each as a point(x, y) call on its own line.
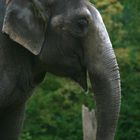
point(67, 39)
point(17, 67)
point(17, 80)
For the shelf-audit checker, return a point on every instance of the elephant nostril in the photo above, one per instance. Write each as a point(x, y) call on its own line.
point(82, 23)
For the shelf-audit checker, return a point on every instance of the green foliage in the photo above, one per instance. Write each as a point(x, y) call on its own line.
point(129, 124)
point(131, 21)
point(54, 112)
point(111, 11)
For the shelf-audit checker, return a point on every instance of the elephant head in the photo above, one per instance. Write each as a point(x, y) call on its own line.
point(70, 38)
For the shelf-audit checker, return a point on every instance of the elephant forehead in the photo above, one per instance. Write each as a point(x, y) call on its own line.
point(64, 3)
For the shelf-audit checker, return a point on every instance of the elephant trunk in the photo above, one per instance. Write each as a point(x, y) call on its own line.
point(104, 75)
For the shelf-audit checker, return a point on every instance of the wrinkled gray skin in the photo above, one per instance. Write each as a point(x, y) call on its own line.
point(65, 37)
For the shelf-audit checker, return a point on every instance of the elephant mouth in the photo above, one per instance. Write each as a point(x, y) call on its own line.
point(82, 80)
point(75, 74)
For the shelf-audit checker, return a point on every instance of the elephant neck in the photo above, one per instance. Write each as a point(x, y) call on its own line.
point(38, 70)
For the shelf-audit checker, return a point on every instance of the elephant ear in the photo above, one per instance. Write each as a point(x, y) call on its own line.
point(24, 22)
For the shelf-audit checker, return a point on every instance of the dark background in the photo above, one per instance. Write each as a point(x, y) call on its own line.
point(54, 112)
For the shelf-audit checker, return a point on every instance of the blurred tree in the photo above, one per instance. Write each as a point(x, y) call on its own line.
point(131, 21)
point(111, 11)
point(54, 112)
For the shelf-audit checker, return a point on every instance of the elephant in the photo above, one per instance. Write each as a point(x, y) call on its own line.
point(67, 38)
